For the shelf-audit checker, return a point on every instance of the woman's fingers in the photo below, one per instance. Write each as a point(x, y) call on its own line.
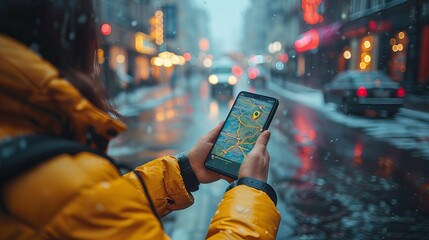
point(262, 141)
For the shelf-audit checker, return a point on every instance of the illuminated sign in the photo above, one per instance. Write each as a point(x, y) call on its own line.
point(143, 43)
point(309, 8)
point(157, 27)
point(309, 40)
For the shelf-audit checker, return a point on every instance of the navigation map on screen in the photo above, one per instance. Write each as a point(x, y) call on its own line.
point(242, 128)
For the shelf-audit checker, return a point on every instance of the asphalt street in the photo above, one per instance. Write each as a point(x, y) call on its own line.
point(337, 177)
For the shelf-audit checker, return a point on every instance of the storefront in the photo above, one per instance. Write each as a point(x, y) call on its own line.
point(395, 42)
point(397, 63)
point(318, 51)
point(399, 45)
point(125, 59)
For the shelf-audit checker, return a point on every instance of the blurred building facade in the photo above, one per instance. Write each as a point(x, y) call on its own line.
point(192, 26)
point(320, 38)
point(126, 48)
point(398, 34)
point(270, 29)
point(255, 28)
point(144, 41)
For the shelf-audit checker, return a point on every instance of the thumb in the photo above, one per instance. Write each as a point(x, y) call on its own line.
point(262, 141)
point(211, 136)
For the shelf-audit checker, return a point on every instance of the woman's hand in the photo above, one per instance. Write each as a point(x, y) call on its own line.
point(256, 163)
point(197, 156)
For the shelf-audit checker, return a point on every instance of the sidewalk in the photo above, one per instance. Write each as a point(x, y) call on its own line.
point(133, 103)
point(415, 106)
point(147, 97)
point(417, 102)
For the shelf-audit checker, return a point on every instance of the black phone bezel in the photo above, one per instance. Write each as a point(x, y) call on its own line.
point(231, 169)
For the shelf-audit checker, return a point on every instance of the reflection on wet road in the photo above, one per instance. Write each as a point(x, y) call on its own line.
point(347, 185)
point(334, 181)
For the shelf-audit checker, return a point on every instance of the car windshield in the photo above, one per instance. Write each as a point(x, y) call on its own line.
point(350, 164)
point(222, 70)
point(371, 77)
point(368, 77)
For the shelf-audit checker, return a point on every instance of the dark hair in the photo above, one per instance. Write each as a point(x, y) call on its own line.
point(64, 32)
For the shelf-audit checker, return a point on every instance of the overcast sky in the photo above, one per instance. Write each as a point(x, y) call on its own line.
point(226, 21)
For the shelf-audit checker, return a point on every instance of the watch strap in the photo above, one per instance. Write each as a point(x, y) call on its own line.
point(257, 184)
point(188, 175)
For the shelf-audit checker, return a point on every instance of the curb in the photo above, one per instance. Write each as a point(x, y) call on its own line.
point(422, 116)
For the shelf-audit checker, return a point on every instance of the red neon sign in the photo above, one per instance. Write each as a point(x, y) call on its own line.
point(309, 8)
point(309, 40)
point(375, 26)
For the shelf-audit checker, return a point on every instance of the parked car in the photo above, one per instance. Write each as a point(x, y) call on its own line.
point(221, 79)
point(356, 92)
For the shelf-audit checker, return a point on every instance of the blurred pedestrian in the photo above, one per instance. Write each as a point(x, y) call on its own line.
point(49, 85)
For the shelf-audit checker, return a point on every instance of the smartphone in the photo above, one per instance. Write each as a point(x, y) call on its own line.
point(249, 116)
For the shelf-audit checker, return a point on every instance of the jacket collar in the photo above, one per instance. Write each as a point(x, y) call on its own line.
point(31, 89)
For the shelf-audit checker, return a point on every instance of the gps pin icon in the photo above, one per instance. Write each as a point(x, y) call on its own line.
point(256, 114)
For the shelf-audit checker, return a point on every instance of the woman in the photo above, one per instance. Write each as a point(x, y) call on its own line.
point(49, 85)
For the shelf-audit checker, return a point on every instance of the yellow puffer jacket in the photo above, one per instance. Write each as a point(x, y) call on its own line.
point(82, 196)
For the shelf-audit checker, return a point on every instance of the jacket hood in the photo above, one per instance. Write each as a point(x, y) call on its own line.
point(35, 98)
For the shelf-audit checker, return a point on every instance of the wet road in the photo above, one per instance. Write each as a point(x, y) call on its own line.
point(337, 177)
point(348, 185)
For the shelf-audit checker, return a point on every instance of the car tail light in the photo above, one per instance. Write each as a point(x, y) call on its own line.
point(253, 73)
point(361, 92)
point(237, 71)
point(400, 92)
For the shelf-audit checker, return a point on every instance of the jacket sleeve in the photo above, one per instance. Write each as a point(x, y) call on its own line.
point(165, 184)
point(245, 213)
point(107, 210)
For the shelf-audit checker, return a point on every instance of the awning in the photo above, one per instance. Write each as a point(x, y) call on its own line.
point(329, 33)
point(317, 37)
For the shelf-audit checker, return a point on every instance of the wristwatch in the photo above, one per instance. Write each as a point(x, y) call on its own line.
point(189, 178)
point(257, 184)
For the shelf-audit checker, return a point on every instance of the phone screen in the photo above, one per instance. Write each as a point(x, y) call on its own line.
point(249, 116)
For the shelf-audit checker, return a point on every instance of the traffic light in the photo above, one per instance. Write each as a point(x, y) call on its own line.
point(106, 29)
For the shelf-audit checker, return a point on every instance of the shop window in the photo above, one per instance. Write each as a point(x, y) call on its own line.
point(398, 57)
point(118, 63)
point(366, 53)
point(344, 59)
point(118, 59)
